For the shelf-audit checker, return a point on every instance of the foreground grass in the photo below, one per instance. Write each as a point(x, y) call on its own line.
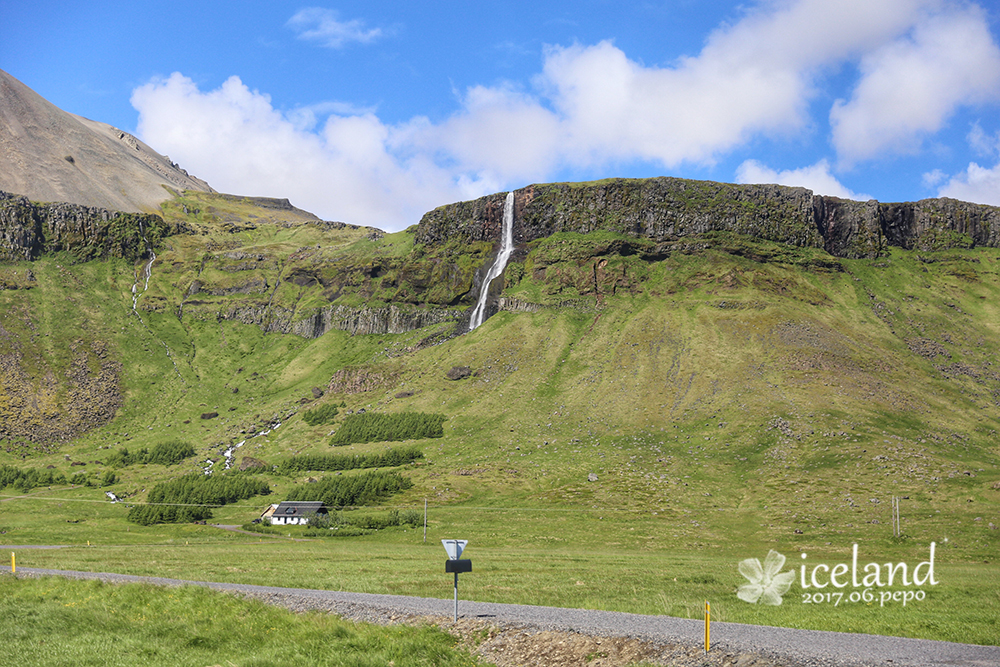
point(963, 607)
point(52, 621)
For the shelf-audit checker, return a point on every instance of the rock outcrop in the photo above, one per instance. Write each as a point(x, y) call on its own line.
point(29, 229)
point(361, 320)
point(60, 404)
point(376, 320)
point(671, 209)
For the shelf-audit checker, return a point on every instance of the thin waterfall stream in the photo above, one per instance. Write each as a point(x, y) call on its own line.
point(147, 273)
point(506, 249)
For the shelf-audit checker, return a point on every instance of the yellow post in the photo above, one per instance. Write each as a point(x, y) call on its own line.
point(13, 565)
point(708, 623)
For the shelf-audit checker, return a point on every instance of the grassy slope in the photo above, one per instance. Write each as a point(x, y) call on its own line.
point(723, 403)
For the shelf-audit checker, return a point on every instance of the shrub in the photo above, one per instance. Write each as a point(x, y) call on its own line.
point(324, 414)
point(375, 427)
point(26, 480)
point(170, 453)
point(165, 453)
point(395, 456)
point(349, 491)
point(260, 527)
point(411, 518)
point(123, 457)
point(189, 498)
point(338, 524)
point(336, 531)
point(376, 521)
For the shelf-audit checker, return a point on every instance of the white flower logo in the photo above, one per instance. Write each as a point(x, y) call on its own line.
point(766, 584)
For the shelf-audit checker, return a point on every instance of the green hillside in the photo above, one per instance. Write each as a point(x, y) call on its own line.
point(635, 421)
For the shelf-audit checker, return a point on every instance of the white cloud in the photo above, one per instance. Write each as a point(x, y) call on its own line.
point(500, 134)
point(755, 77)
point(911, 86)
point(982, 143)
point(976, 184)
point(345, 170)
point(816, 177)
point(320, 25)
point(591, 107)
point(933, 178)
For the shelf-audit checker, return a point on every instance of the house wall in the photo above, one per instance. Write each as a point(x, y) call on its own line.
point(287, 521)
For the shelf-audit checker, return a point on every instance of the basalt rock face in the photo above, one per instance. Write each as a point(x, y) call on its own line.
point(57, 406)
point(866, 229)
point(934, 224)
point(29, 229)
point(671, 209)
point(658, 208)
point(361, 320)
point(382, 320)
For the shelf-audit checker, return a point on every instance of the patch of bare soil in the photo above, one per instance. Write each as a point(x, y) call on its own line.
point(519, 646)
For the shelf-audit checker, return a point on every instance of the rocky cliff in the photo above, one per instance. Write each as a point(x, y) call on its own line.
point(670, 209)
point(28, 229)
point(361, 320)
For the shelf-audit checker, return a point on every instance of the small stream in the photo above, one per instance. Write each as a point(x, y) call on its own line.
point(147, 274)
point(230, 453)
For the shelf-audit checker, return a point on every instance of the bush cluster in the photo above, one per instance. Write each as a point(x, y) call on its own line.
point(395, 456)
point(189, 498)
point(348, 491)
point(347, 525)
point(342, 530)
point(376, 427)
point(392, 518)
point(165, 453)
point(260, 527)
point(26, 480)
point(324, 414)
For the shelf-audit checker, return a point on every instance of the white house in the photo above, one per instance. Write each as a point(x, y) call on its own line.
point(293, 512)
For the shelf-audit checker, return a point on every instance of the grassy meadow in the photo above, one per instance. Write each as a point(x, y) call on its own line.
point(623, 449)
point(52, 621)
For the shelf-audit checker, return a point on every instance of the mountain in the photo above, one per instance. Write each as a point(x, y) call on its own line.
point(716, 366)
point(49, 155)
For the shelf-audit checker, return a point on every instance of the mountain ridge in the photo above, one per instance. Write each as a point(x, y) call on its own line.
point(50, 155)
point(666, 209)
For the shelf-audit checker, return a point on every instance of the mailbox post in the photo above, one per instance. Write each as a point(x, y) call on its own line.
point(455, 563)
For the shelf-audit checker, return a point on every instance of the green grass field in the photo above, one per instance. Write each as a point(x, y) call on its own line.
point(53, 621)
point(623, 562)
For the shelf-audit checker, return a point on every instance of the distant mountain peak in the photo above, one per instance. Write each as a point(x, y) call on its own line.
point(50, 155)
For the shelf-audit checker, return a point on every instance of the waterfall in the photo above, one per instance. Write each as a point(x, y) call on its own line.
point(147, 274)
point(506, 248)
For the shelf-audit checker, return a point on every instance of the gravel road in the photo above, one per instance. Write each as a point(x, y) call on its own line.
point(671, 641)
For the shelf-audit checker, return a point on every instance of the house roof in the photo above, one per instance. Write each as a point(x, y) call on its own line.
point(299, 507)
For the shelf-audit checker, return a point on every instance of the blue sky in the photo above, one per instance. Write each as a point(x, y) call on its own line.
point(375, 112)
